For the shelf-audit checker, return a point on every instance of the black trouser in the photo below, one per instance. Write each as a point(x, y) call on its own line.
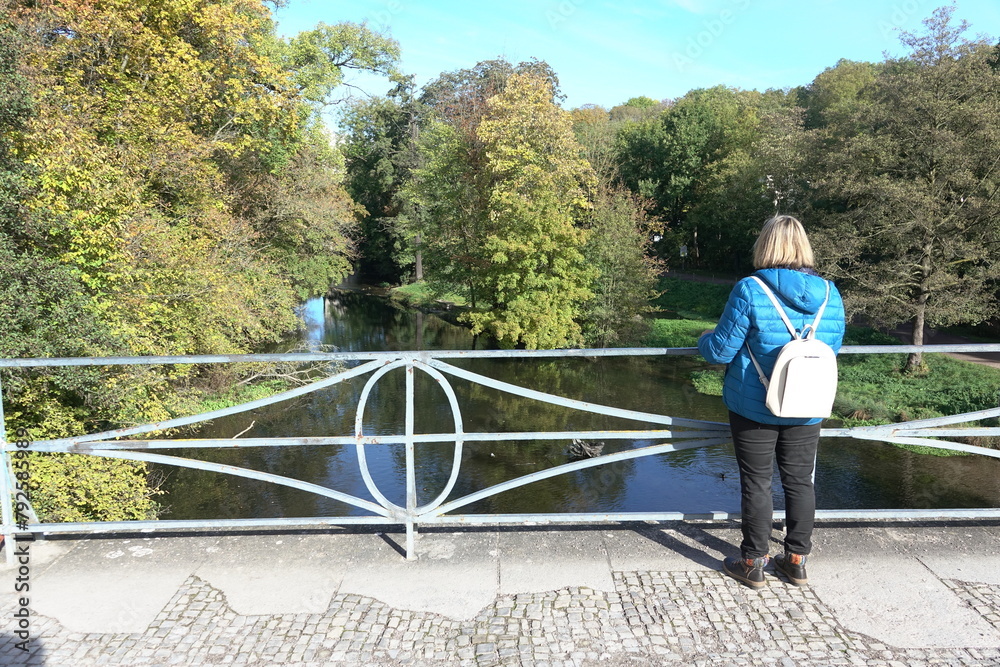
point(757, 446)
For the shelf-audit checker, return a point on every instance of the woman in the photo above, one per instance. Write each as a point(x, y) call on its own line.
point(784, 260)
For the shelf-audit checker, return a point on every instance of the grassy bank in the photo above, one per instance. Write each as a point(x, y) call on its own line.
point(420, 295)
point(872, 388)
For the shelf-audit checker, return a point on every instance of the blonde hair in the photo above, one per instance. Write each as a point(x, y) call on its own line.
point(782, 242)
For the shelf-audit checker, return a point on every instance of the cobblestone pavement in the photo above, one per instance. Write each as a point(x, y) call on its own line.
point(658, 618)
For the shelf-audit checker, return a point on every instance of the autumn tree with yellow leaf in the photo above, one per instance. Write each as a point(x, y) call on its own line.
point(505, 207)
point(169, 172)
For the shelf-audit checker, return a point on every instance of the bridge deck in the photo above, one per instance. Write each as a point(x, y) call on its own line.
point(905, 593)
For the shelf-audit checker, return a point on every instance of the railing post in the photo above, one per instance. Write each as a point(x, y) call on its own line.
point(411, 475)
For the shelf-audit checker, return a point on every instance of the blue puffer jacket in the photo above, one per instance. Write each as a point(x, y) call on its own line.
point(750, 318)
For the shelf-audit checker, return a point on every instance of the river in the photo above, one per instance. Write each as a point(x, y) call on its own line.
point(850, 473)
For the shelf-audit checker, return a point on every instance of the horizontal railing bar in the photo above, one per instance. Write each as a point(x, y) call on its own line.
point(947, 432)
point(907, 349)
point(588, 517)
point(176, 524)
point(447, 354)
point(477, 519)
point(578, 517)
point(239, 443)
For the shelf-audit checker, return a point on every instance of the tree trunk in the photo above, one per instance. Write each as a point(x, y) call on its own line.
point(419, 258)
point(915, 360)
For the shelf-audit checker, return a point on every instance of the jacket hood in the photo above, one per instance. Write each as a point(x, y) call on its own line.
point(800, 290)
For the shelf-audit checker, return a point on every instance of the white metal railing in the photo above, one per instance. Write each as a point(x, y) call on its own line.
point(676, 434)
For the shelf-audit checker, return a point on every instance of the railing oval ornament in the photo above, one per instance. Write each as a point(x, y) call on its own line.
point(407, 437)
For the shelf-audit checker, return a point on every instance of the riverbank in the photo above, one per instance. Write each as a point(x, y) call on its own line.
point(873, 389)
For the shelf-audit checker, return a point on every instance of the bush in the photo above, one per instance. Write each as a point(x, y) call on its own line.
point(677, 333)
point(421, 294)
point(708, 382)
point(75, 487)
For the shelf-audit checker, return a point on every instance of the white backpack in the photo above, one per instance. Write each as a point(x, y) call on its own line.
point(804, 380)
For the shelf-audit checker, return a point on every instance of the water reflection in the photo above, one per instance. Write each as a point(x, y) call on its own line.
point(850, 474)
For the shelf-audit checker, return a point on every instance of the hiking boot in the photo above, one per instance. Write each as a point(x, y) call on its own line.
point(793, 566)
point(748, 570)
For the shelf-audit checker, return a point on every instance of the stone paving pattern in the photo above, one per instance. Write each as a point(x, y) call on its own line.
point(651, 618)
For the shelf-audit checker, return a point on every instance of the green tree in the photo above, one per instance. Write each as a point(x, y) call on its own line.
point(753, 180)
point(677, 157)
point(536, 276)
point(318, 58)
point(381, 153)
point(164, 189)
point(908, 193)
point(619, 248)
point(638, 109)
point(16, 108)
point(46, 313)
point(504, 206)
point(594, 129)
point(833, 96)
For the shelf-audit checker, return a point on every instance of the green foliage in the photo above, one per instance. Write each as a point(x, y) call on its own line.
point(907, 185)
point(677, 333)
point(318, 57)
point(699, 128)
point(240, 394)
point(535, 276)
point(16, 108)
point(421, 294)
point(619, 247)
point(693, 300)
point(381, 152)
point(503, 194)
point(856, 335)
point(73, 487)
point(708, 382)
point(833, 96)
point(164, 189)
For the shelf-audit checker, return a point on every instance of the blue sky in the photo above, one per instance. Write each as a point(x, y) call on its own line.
point(607, 52)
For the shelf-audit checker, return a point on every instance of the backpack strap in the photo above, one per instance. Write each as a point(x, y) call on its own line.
point(819, 314)
point(777, 306)
point(809, 330)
